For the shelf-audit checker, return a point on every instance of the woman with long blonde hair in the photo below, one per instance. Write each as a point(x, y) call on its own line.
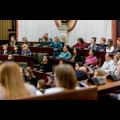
point(12, 84)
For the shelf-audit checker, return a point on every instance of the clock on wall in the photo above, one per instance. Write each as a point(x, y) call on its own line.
point(70, 23)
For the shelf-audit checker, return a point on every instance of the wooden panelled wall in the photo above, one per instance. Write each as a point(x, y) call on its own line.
point(6, 27)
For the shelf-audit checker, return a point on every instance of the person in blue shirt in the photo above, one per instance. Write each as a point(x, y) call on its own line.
point(65, 54)
point(57, 45)
point(103, 45)
point(25, 50)
point(93, 43)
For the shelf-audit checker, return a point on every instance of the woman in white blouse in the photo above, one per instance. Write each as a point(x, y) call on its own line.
point(108, 64)
point(110, 47)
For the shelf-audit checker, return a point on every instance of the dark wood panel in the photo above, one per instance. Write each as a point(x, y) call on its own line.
point(18, 58)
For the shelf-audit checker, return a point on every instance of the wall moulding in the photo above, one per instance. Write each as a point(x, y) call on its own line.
point(71, 24)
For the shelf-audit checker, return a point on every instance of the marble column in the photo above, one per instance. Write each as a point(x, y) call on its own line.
point(64, 32)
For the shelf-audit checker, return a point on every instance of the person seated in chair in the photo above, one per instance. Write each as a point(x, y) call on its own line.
point(99, 72)
point(45, 43)
point(57, 45)
point(13, 42)
point(92, 59)
point(65, 79)
point(41, 86)
point(25, 50)
point(25, 41)
point(45, 66)
point(108, 64)
point(81, 43)
point(81, 72)
point(117, 48)
point(110, 47)
point(93, 43)
point(76, 55)
point(15, 52)
point(5, 51)
point(103, 45)
point(65, 54)
point(45, 35)
point(10, 57)
point(31, 78)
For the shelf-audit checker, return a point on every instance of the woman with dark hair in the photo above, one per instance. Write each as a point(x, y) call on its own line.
point(76, 55)
point(117, 47)
point(92, 59)
point(13, 42)
point(66, 53)
point(109, 47)
point(44, 43)
point(15, 52)
point(81, 72)
point(81, 43)
point(45, 66)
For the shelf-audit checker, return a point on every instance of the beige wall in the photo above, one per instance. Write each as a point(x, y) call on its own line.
point(34, 29)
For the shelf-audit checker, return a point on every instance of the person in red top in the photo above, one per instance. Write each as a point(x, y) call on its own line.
point(81, 43)
point(92, 59)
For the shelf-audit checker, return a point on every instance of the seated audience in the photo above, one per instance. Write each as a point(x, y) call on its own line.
point(15, 52)
point(41, 86)
point(31, 78)
point(76, 55)
point(117, 48)
point(114, 65)
point(44, 43)
point(45, 66)
point(13, 42)
point(25, 41)
point(118, 68)
point(45, 35)
point(62, 61)
point(5, 51)
point(57, 45)
point(65, 54)
point(92, 59)
point(12, 83)
point(25, 50)
point(81, 72)
point(65, 79)
point(81, 43)
point(93, 43)
point(103, 45)
point(108, 64)
point(22, 70)
point(109, 47)
point(99, 72)
point(10, 57)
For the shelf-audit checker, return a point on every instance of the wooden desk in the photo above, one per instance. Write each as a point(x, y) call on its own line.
point(18, 58)
point(105, 89)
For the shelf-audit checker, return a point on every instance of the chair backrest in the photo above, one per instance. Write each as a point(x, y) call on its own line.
point(81, 94)
point(40, 57)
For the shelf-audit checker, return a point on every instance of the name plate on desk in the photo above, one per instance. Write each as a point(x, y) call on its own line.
point(100, 80)
point(114, 77)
